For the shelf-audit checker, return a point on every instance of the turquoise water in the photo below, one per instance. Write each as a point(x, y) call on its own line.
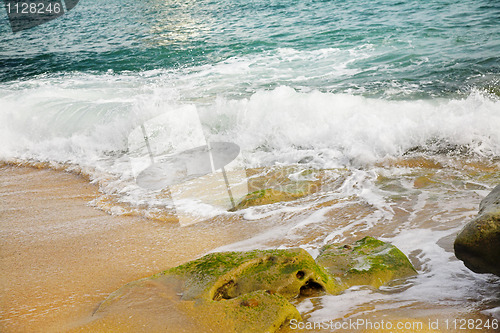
point(400, 48)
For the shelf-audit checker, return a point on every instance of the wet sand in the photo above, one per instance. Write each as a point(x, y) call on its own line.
point(60, 257)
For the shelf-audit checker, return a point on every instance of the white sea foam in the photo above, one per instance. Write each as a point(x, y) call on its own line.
point(341, 129)
point(86, 120)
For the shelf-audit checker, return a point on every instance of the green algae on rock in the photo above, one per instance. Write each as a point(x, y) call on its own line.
point(366, 262)
point(249, 291)
point(227, 275)
point(478, 243)
point(246, 291)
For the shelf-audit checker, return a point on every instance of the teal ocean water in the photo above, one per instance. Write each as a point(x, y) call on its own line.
point(372, 48)
point(338, 86)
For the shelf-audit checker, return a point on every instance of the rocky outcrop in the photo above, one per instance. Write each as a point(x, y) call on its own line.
point(478, 243)
point(246, 291)
point(226, 275)
point(250, 291)
point(366, 262)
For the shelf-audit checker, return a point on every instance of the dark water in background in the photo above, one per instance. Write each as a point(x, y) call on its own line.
point(416, 48)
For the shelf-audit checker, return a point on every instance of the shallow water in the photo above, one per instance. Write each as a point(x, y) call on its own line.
point(418, 209)
point(418, 204)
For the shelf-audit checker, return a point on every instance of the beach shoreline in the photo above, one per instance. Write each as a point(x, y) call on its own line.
point(62, 257)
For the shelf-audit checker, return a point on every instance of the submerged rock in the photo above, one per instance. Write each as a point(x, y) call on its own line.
point(266, 197)
point(478, 243)
point(279, 184)
point(366, 262)
point(493, 90)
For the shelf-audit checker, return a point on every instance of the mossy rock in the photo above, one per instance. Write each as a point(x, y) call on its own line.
point(227, 275)
point(366, 262)
point(246, 291)
point(478, 243)
point(227, 291)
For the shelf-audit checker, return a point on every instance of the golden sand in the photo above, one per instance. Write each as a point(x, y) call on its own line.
point(60, 257)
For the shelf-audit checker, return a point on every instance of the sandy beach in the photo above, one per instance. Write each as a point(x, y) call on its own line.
point(60, 257)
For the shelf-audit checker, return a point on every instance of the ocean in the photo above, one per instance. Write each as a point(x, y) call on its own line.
point(393, 106)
